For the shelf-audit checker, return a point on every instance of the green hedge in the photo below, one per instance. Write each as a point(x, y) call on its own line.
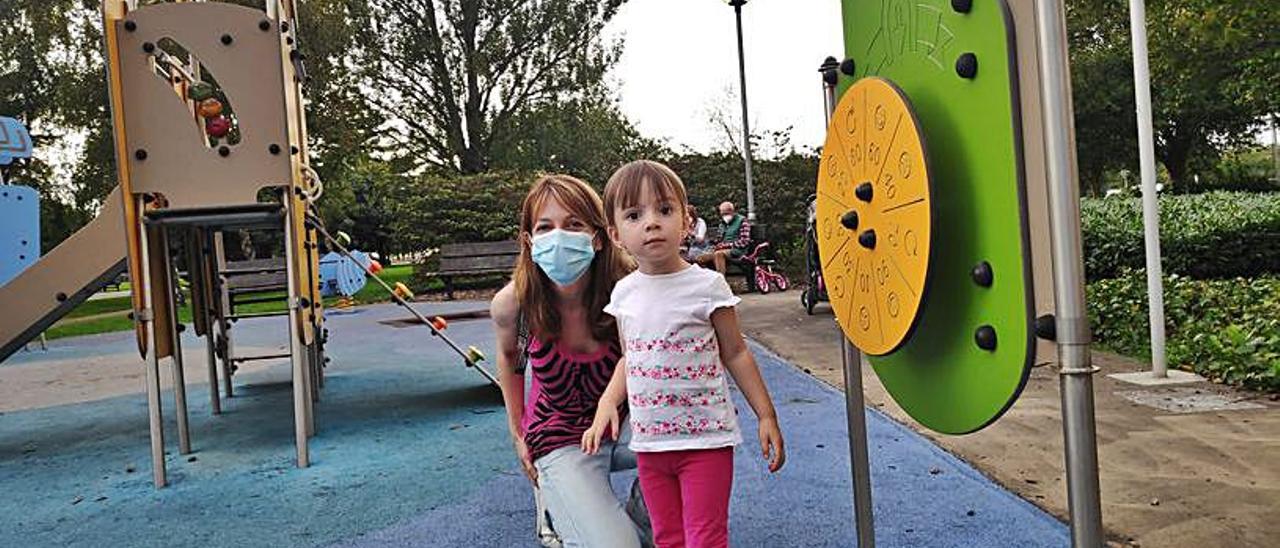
point(1226, 330)
point(431, 211)
point(1213, 235)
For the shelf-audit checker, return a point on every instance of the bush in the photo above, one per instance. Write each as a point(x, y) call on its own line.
point(1248, 170)
point(1226, 330)
point(435, 210)
point(1213, 235)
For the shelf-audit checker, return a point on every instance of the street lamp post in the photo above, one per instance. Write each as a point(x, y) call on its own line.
point(746, 127)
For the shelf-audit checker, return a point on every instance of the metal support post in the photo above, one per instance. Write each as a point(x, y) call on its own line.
point(746, 126)
point(147, 317)
point(179, 376)
point(223, 304)
point(1150, 202)
point(211, 354)
point(855, 408)
point(1076, 375)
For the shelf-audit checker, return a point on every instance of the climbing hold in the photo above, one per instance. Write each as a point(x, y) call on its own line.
point(217, 127)
point(210, 107)
point(474, 355)
point(200, 91)
point(343, 238)
point(375, 266)
point(403, 291)
point(439, 323)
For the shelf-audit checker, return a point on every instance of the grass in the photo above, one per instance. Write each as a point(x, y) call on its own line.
point(112, 314)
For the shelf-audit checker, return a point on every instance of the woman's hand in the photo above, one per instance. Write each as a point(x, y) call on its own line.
point(605, 424)
point(771, 445)
point(526, 462)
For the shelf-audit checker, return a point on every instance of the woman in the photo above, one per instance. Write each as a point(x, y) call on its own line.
point(552, 316)
point(696, 237)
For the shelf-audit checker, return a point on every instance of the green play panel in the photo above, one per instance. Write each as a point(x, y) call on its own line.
point(971, 347)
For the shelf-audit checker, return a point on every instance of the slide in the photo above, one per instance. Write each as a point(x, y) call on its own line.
point(80, 266)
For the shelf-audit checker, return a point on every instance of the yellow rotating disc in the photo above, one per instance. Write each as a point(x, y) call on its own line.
point(875, 215)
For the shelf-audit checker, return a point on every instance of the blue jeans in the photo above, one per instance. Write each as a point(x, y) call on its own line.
point(576, 489)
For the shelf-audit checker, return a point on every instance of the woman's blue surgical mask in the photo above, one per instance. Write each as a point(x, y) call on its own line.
point(563, 255)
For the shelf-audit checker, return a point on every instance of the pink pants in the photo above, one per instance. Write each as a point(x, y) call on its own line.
point(687, 493)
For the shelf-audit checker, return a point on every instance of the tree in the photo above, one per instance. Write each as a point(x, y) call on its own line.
point(1214, 67)
point(342, 130)
point(587, 138)
point(453, 73)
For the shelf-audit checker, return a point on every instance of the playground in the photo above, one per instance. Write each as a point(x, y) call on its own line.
point(211, 350)
point(414, 453)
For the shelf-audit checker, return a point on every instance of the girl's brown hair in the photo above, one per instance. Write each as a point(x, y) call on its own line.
point(536, 292)
point(627, 185)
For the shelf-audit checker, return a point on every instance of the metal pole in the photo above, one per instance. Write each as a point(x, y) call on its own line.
point(1275, 148)
point(1076, 374)
point(1150, 203)
point(147, 317)
point(179, 375)
point(746, 126)
point(855, 410)
point(858, 459)
point(205, 243)
point(224, 304)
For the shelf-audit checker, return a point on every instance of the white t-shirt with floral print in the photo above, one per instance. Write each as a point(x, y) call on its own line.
point(677, 388)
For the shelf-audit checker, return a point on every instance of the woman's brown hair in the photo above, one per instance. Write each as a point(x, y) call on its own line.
point(536, 292)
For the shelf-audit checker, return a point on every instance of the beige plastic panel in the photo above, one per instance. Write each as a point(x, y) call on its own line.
point(1037, 178)
point(77, 263)
point(179, 163)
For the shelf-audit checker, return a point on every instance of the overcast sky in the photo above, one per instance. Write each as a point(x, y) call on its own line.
point(681, 57)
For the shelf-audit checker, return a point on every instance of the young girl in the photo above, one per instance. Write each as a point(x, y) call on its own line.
point(551, 317)
point(679, 334)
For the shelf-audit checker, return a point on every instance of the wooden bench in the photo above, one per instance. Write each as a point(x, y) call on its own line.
point(255, 276)
point(474, 259)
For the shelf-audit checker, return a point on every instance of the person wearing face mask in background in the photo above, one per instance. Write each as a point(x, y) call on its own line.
point(551, 328)
point(735, 237)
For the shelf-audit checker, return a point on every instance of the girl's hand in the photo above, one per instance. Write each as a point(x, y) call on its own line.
point(522, 453)
point(771, 445)
point(605, 424)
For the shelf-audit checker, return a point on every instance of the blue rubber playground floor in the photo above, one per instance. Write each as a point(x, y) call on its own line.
point(411, 449)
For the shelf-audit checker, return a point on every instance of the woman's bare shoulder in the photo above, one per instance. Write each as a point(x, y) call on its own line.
point(504, 306)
